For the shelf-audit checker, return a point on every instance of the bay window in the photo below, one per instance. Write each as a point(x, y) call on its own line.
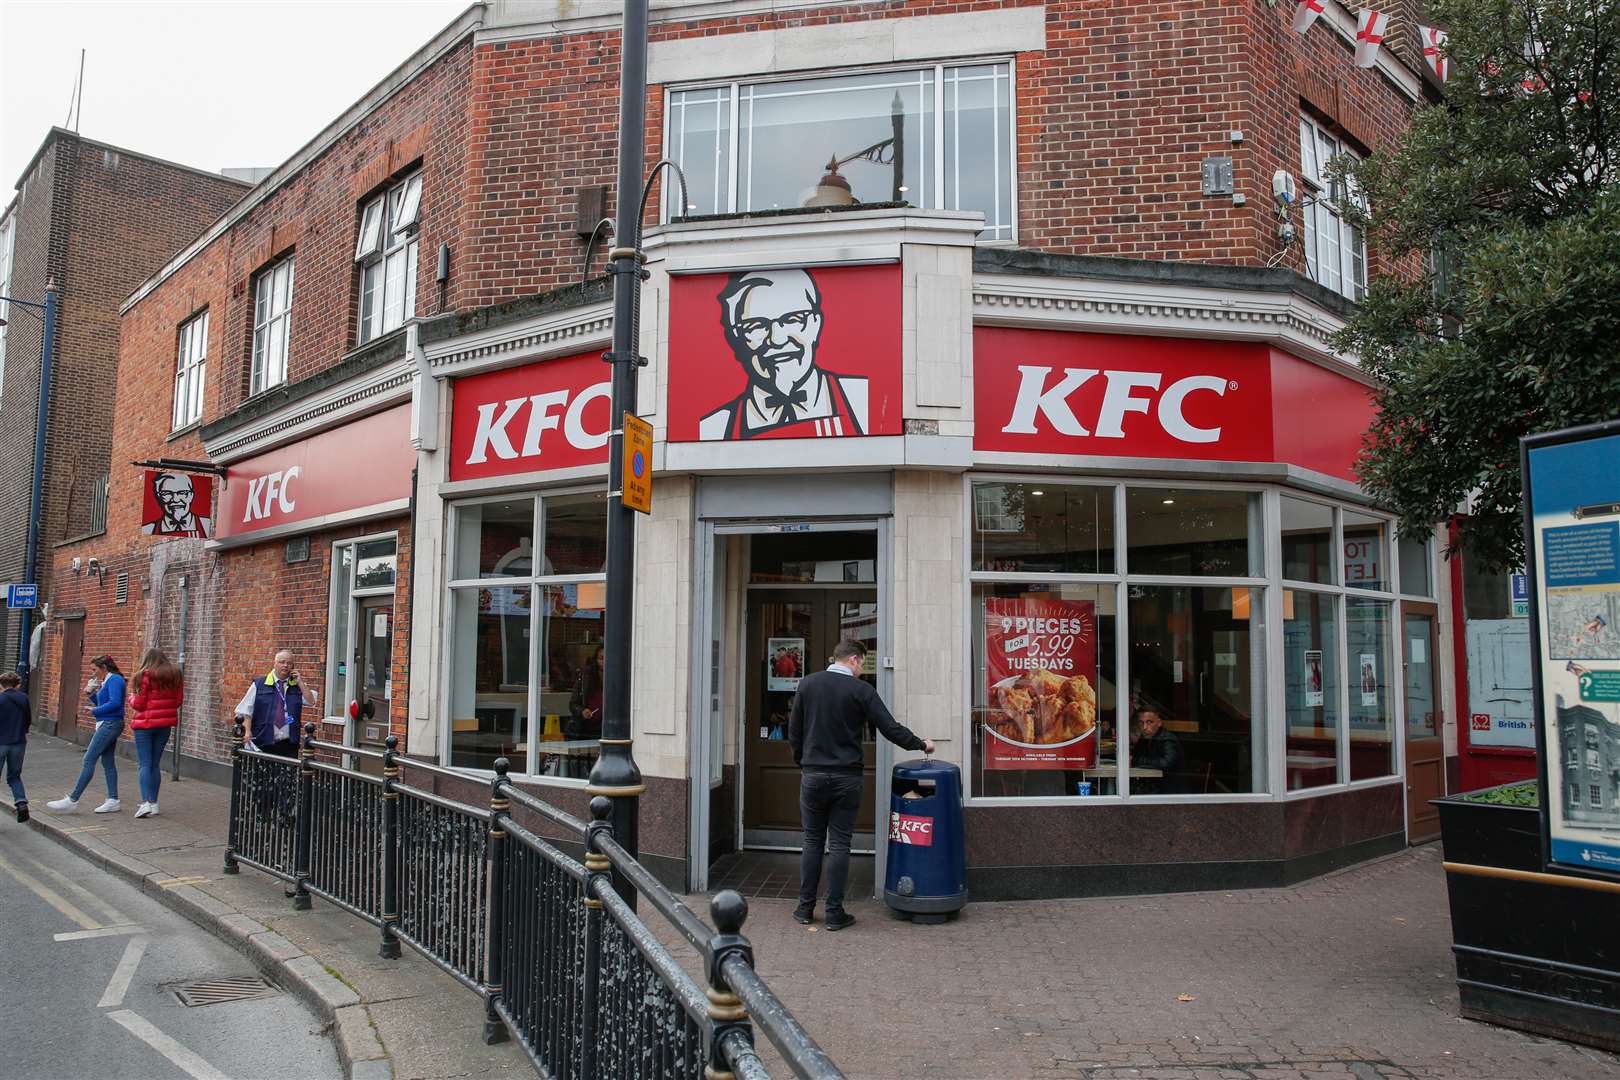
point(938, 137)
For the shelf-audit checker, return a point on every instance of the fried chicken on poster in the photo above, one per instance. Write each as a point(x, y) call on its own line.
point(1044, 707)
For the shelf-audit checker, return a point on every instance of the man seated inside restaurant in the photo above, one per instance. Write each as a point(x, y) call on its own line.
point(1155, 747)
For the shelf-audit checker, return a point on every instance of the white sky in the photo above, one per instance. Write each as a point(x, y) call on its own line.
point(208, 83)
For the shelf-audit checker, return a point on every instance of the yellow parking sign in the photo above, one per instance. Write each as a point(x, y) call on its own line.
point(638, 442)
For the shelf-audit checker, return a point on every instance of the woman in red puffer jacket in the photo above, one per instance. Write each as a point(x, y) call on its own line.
point(154, 710)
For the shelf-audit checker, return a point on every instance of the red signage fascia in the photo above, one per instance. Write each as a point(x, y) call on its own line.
point(364, 463)
point(830, 335)
point(1118, 395)
point(554, 414)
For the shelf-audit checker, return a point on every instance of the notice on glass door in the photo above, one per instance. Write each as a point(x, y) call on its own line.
point(1041, 680)
point(1313, 678)
point(785, 660)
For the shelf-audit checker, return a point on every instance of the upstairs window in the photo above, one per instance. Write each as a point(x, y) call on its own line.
point(1335, 251)
point(938, 137)
point(386, 254)
point(188, 371)
point(272, 325)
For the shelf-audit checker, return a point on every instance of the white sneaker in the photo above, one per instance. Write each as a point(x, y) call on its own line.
point(153, 812)
point(64, 805)
point(111, 806)
point(144, 810)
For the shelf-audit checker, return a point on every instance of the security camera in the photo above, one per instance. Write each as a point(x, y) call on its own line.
point(95, 564)
point(1282, 188)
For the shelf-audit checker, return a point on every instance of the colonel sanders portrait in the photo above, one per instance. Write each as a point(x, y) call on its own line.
point(173, 494)
point(772, 321)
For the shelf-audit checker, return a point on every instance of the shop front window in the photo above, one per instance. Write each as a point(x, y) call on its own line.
point(1180, 614)
point(1372, 725)
point(1311, 688)
point(525, 640)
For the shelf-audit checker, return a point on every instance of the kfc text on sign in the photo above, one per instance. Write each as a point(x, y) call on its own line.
point(545, 412)
point(269, 493)
point(1120, 396)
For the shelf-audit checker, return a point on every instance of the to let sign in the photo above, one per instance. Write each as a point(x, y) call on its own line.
point(637, 478)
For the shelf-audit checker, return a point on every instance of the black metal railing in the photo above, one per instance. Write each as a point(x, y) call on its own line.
point(554, 945)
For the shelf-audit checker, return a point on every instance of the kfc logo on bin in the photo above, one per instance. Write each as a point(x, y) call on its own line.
point(911, 829)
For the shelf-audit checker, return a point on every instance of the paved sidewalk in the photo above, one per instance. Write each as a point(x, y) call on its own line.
point(1348, 977)
point(402, 1018)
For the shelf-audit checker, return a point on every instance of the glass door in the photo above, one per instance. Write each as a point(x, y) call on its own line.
point(1425, 749)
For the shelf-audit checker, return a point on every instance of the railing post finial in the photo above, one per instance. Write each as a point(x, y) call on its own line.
point(729, 910)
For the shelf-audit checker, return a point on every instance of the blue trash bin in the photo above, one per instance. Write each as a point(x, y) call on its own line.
point(926, 879)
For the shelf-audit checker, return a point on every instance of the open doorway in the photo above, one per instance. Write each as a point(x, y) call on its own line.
point(781, 596)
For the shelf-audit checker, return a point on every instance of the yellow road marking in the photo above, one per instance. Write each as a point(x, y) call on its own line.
point(86, 828)
point(171, 883)
point(45, 893)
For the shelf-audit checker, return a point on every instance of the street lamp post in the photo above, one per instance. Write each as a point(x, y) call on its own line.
point(31, 556)
point(615, 773)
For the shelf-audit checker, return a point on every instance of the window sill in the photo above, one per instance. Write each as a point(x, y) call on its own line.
point(188, 429)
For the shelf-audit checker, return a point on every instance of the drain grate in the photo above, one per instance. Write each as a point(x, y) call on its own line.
point(217, 991)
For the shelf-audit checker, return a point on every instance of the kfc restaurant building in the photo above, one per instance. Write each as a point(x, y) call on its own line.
point(1046, 491)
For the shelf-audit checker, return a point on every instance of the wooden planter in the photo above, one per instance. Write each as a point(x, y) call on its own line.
point(1534, 951)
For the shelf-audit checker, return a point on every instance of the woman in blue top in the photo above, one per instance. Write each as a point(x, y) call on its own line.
point(109, 713)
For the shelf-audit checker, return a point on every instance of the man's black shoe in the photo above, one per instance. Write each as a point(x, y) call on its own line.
point(22, 811)
point(805, 914)
point(837, 920)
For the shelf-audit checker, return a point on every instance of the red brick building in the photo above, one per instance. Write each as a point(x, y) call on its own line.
point(95, 220)
point(1075, 364)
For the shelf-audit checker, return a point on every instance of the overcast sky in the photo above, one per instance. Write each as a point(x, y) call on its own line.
point(211, 84)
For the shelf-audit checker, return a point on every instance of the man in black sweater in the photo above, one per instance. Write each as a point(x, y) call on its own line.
point(831, 712)
point(14, 721)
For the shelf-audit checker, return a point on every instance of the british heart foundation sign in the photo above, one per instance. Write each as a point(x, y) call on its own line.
point(1041, 672)
point(785, 354)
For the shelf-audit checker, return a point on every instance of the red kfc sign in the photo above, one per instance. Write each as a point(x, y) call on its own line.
point(176, 503)
point(1041, 678)
point(785, 354)
point(911, 829)
point(1115, 395)
point(550, 415)
point(347, 470)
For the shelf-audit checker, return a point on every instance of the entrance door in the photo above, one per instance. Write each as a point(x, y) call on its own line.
point(373, 667)
point(1425, 750)
point(791, 633)
point(69, 688)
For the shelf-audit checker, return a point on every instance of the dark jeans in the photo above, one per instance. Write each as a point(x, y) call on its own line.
point(11, 756)
point(103, 746)
point(283, 748)
point(828, 803)
point(149, 744)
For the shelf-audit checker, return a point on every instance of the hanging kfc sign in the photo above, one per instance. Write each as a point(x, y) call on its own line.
point(1041, 675)
point(177, 504)
point(785, 354)
point(551, 415)
point(346, 473)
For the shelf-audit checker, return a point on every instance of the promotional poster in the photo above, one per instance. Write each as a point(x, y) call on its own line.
point(1041, 677)
point(785, 354)
point(1572, 492)
point(785, 657)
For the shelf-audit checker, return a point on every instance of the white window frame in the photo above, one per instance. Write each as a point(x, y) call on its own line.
point(935, 164)
point(340, 687)
point(1268, 589)
point(1335, 251)
point(536, 581)
point(269, 366)
point(387, 239)
point(190, 371)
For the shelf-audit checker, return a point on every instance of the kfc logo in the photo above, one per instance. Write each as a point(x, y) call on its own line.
point(1120, 397)
point(911, 829)
point(785, 354)
point(554, 414)
point(177, 504)
point(772, 320)
point(271, 492)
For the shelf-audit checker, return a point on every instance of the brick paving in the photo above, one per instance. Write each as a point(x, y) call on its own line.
point(1347, 977)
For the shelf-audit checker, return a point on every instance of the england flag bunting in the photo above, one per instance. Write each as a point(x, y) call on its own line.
point(1433, 38)
point(1307, 13)
point(1370, 26)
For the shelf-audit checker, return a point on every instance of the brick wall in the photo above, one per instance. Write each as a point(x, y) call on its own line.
point(99, 220)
